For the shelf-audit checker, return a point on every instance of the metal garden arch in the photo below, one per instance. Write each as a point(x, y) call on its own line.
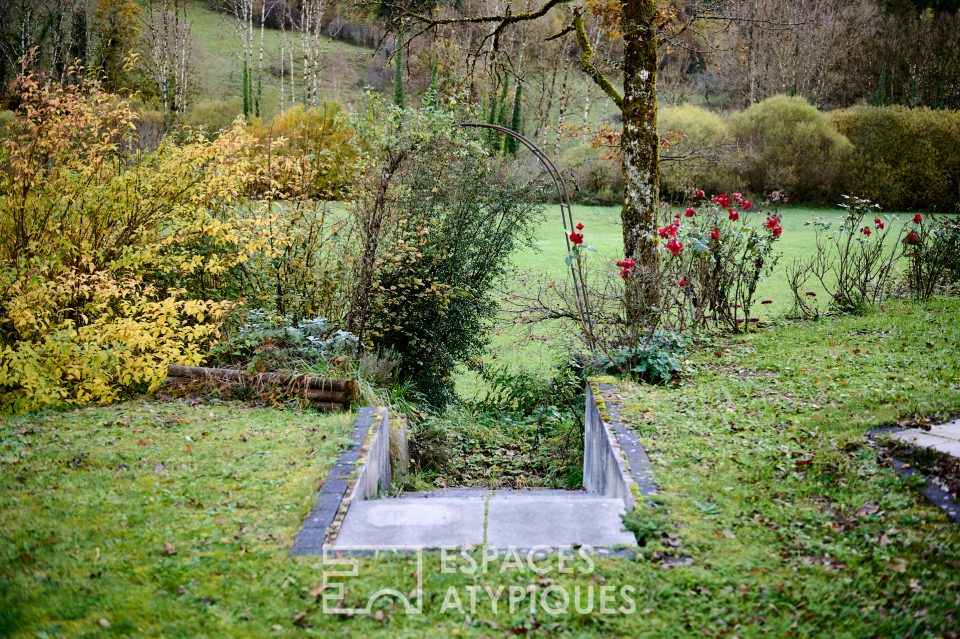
point(566, 215)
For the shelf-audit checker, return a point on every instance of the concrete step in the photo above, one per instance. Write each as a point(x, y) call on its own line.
point(512, 518)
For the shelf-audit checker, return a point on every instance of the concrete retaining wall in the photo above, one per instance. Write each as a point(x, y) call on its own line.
point(373, 466)
point(615, 463)
point(363, 470)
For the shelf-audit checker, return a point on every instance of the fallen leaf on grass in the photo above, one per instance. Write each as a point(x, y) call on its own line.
point(317, 590)
point(168, 549)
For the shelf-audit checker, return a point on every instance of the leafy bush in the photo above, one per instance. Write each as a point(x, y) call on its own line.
point(258, 342)
point(699, 151)
point(94, 247)
point(786, 144)
point(903, 159)
point(654, 359)
point(437, 218)
point(303, 269)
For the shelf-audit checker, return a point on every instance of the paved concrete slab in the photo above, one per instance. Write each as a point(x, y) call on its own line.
point(426, 523)
point(950, 430)
point(470, 517)
point(920, 438)
point(952, 447)
point(557, 521)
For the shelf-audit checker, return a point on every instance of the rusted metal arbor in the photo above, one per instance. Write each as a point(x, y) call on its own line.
point(566, 216)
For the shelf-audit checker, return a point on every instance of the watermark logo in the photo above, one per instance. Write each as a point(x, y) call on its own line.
point(343, 562)
point(559, 582)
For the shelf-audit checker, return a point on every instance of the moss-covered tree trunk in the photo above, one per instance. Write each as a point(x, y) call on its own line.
point(640, 144)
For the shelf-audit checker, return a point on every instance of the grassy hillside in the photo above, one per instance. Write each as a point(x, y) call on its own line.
point(219, 74)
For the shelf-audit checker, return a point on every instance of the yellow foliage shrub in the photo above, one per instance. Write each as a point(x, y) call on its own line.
point(699, 151)
point(904, 159)
point(786, 144)
point(306, 152)
point(101, 282)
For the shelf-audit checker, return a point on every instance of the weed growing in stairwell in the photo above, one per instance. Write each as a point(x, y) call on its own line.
point(526, 431)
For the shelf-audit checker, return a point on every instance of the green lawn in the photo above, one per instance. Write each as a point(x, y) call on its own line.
point(768, 486)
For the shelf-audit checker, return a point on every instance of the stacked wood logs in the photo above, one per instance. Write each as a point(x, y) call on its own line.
point(323, 393)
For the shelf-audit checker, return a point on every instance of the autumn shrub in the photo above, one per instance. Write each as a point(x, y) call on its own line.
point(98, 276)
point(698, 151)
point(903, 159)
point(786, 144)
point(595, 178)
point(211, 116)
point(437, 217)
point(316, 141)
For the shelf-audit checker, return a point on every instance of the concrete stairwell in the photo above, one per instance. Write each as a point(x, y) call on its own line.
point(351, 512)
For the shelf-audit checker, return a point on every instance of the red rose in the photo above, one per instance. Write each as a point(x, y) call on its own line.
point(917, 219)
point(716, 234)
point(690, 212)
point(772, 223)
point(878, 223)
point(683, 282)
point(576, 238)
point(746, 205)
point(700, 193)
point(866, 231)
point(913, 238)
point(674, 247)
point(777, 231)
point(624, 272)
point(734, 215)
point(627, 263)
point(580, 226)
point(669, 230)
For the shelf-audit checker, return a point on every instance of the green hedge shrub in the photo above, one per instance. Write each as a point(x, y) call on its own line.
point(904, 159)
point(703, 154)
point(786, 144)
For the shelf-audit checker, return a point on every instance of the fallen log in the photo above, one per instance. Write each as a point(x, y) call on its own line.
point(317, 395)
point(323, 393)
